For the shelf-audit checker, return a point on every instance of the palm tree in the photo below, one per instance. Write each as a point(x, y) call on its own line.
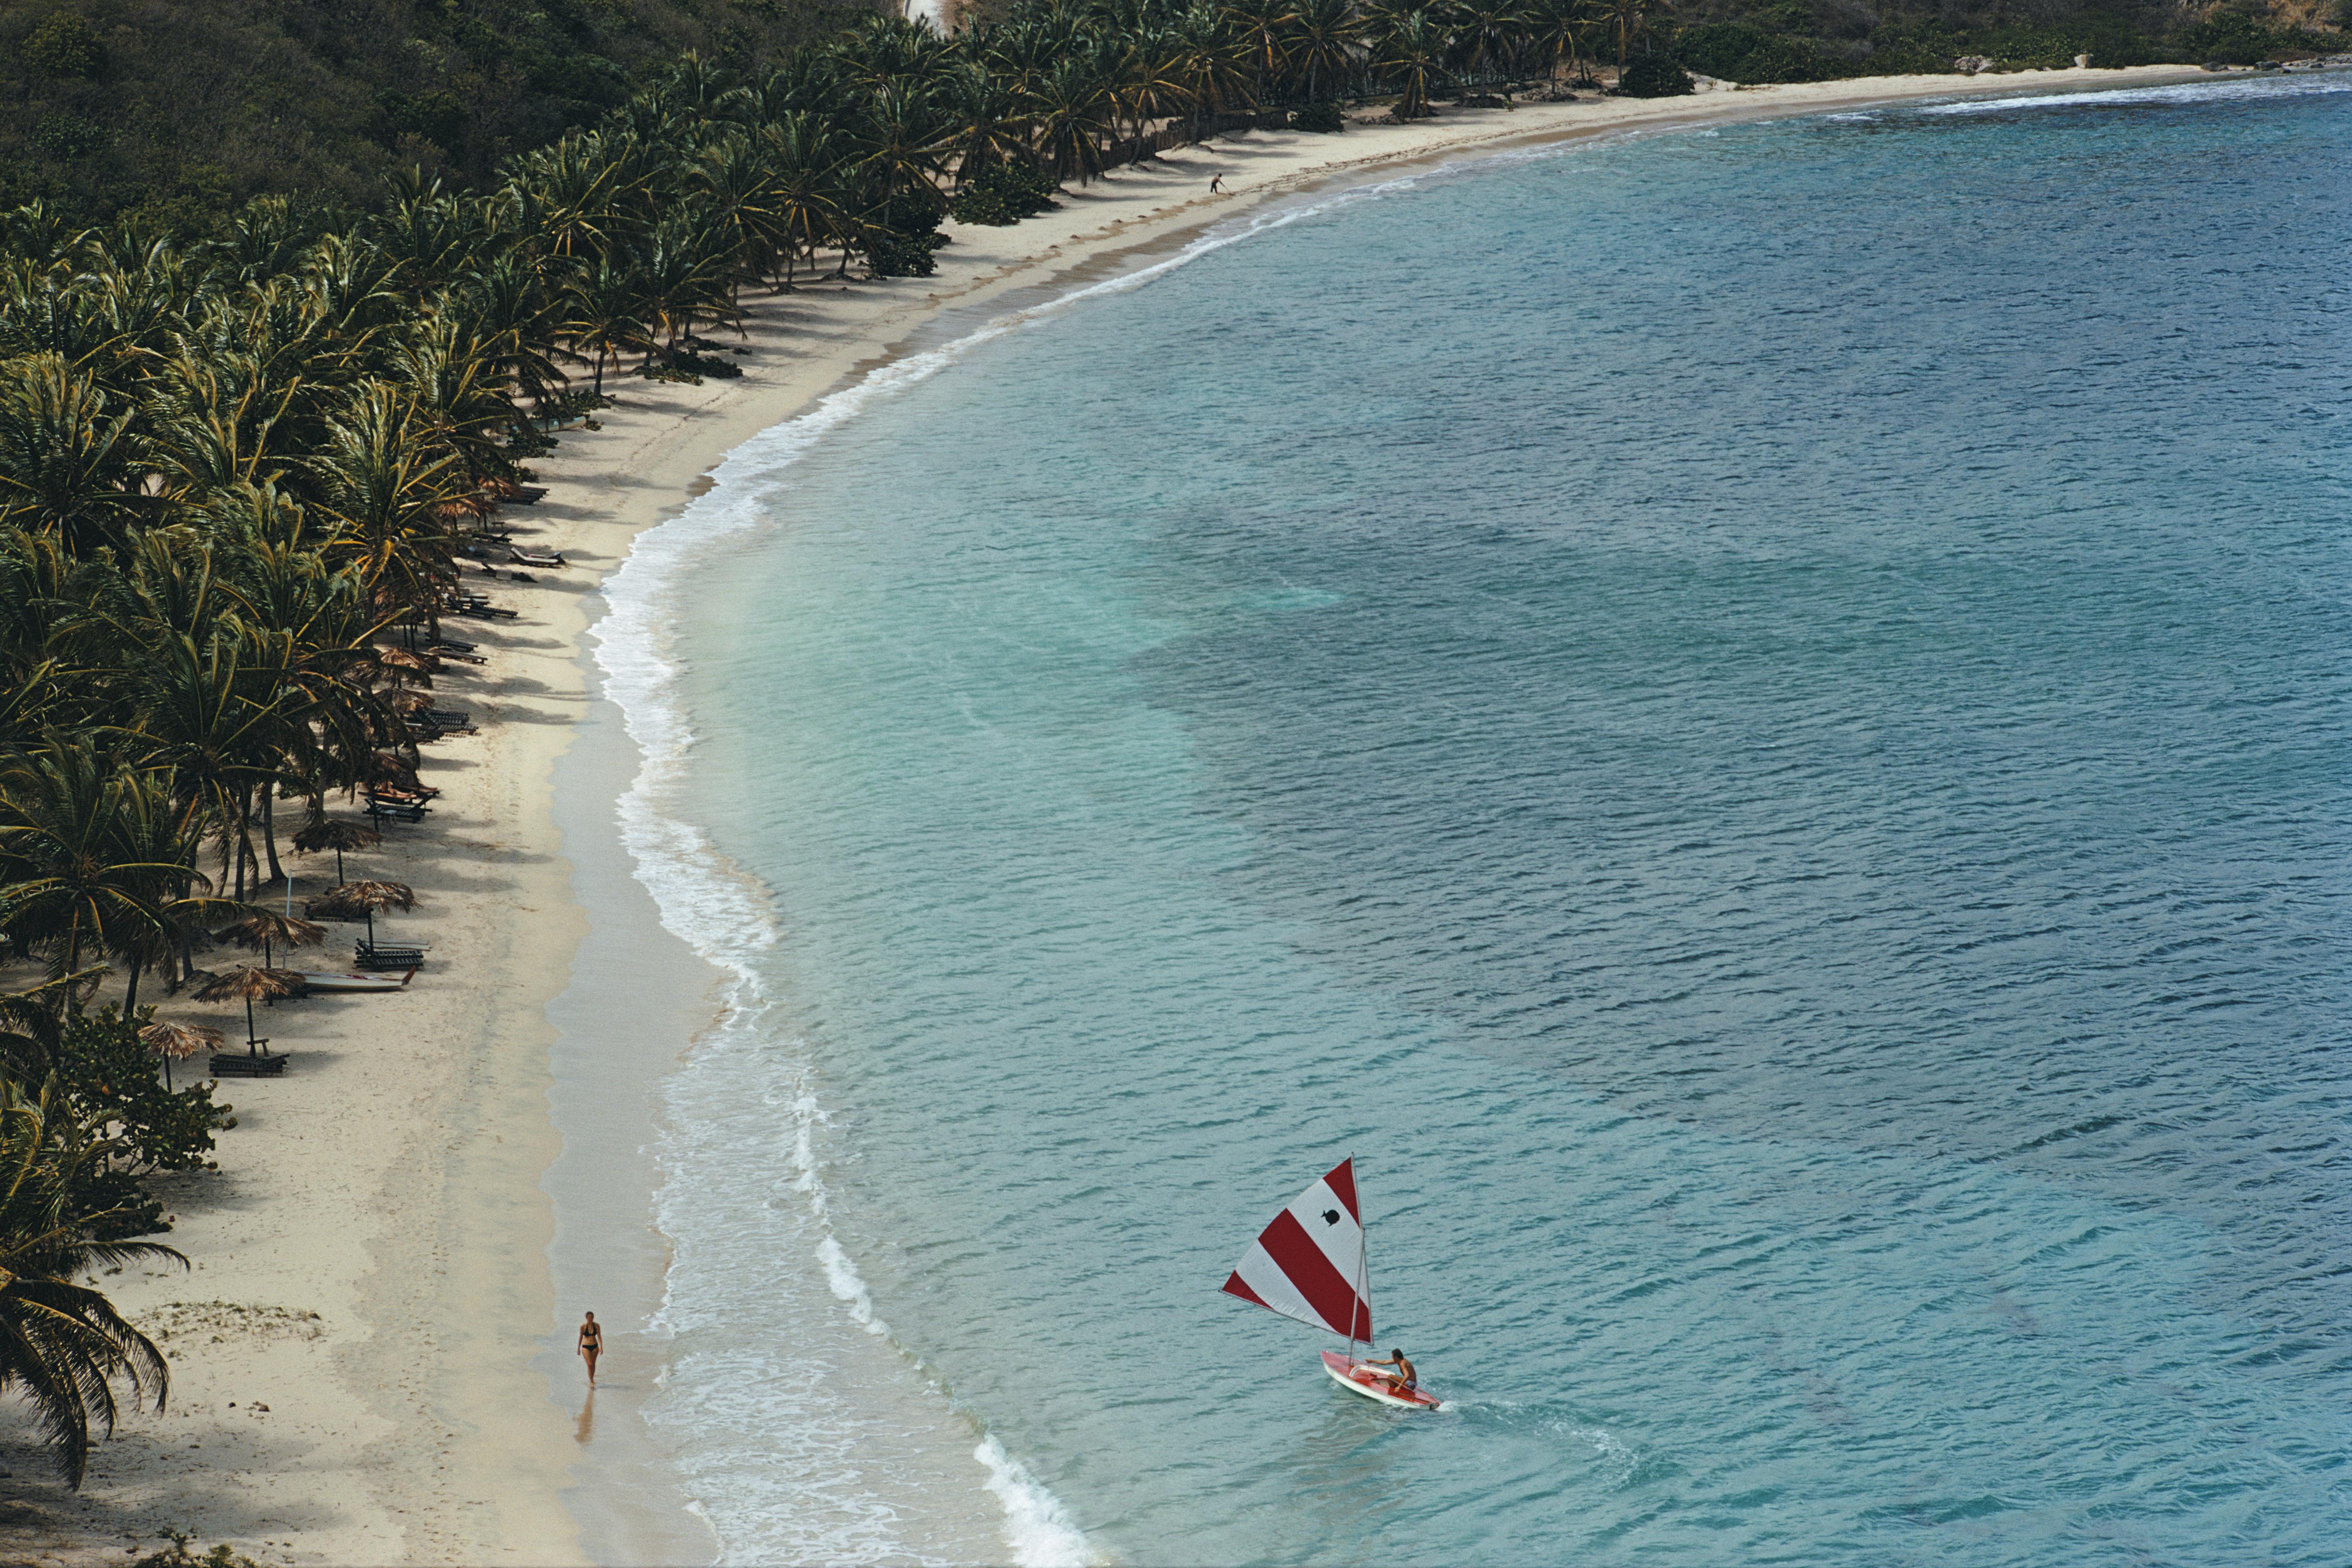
point(1410, 45)
point(1628, 21)
point(1261, 33)
point(90, 853)
point(1490, 37)
point(381, 485)
point(62, 1345)
point(1324, 40)
point(68, 455)
point(1072, 107)
point(600, 314)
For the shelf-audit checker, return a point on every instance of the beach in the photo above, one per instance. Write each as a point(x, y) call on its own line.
point(371, 1353)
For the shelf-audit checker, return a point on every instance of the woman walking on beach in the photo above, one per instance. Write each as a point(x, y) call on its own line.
point(592, 1345)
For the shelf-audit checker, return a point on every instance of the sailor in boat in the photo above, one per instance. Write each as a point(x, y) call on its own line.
point(1400, 1380)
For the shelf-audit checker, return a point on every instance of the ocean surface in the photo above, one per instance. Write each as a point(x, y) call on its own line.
point(1754, 720)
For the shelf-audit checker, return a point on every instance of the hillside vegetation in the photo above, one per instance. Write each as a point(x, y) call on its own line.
point(186, 109)
point(180, 112)
point(1824, 41)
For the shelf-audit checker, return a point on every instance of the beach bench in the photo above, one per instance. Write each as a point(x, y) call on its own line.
point(243, 1064)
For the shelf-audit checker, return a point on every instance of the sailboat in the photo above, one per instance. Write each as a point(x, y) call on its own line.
point(1309, 1265)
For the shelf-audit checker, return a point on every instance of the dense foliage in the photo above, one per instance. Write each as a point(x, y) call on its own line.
point(1828, 40)
point(184, 111)
point(137, 1128)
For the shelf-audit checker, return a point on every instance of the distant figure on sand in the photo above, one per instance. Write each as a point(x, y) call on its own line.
point(1216, 185)
point(1403, 1378)
point(592, 1345)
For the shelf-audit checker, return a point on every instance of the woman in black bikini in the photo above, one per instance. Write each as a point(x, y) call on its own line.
point(592, 1345)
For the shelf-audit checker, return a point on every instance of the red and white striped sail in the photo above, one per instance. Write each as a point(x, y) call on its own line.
point(1309, 1263)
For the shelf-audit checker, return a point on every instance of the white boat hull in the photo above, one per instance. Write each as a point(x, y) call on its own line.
point(1372, 1383)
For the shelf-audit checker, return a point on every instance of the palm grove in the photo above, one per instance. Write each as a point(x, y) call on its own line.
point(236, 472)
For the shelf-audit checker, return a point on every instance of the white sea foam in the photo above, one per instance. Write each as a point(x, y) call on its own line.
point(1043, 1534)
point(2181, 92)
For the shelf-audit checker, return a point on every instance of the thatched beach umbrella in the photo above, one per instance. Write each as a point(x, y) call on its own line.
point(266, 929)
point(324, 834)
point(390, 767)
point(367, 897)
point(407, 664)
point(179, 1041)
point(245, 983)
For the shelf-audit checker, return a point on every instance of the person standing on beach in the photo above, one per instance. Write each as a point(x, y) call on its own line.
point(1216, 185)
point(592, 1345)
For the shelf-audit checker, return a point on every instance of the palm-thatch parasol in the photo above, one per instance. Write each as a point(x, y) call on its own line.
point(390, 767)
point(178, 1042)
point(267, 929)
point(406, 703)
point(407, 664)
point(324, 834)
point(246, 982)
point(367, 897)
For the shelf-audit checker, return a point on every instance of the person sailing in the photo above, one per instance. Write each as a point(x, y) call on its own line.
point(1402, 1378)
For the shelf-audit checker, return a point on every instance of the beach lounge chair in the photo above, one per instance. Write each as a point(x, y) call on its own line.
point(369, 955)
point(390, 812)
point(243, 1064)
point(548, 562)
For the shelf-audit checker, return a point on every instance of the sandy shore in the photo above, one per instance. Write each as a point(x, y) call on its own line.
point(370, 1353)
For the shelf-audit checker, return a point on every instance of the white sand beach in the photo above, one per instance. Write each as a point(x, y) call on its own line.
point(361, 1352)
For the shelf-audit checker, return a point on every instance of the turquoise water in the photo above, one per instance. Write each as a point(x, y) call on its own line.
point(1755, 721)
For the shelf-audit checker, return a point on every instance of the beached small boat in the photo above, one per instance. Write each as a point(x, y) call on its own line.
point(1309, 1265)
point(341, 984)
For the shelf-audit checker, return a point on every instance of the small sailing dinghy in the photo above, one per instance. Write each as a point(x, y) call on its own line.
point(1309, 1265)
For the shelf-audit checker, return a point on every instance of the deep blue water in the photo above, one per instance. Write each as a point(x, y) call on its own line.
point(1755, 721)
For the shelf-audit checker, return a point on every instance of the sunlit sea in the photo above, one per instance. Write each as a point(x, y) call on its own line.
point(1754, 720)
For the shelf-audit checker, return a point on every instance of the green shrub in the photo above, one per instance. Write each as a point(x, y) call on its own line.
point(110, 1078)
point(982, 204)
point(699, 364)
point(1322, 117)
point(1004, 193)
point(66, 136)
point(1736, 51)
point(897, 253)
point(1653, 76)
point(2237, 39)
point(64, 46)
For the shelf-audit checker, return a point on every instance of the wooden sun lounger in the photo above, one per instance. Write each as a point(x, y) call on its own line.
point(547, 563)
point(366, 957)
point(386, 811)
point(243, 1064)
